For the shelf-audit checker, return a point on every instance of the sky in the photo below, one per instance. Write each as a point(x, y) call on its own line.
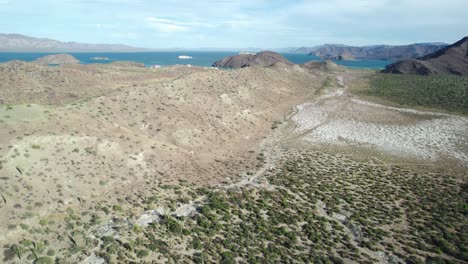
point(237, 24)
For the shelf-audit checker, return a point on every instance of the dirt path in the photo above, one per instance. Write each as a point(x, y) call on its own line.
point(424, 137)
point(272, 143)
point(331, 108)
point(343, 97)
point(271, 152)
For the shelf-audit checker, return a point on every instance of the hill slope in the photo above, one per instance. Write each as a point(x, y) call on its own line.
point(452, 59)
point(57, 59)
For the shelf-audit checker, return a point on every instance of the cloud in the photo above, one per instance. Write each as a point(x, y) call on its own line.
point(166, 25)
point(237, 23)
point(337, 7)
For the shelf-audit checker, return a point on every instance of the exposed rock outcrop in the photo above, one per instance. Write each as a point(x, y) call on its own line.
point(261, 59)
point(343, 57)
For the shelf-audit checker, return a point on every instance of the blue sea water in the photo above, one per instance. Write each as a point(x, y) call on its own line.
point(199, 58)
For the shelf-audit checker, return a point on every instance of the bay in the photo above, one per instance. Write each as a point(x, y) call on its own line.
point(199, 58)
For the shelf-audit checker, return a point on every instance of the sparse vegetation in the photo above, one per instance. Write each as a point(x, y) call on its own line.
point(78, 180)
point(448, 92)
point(324, 208)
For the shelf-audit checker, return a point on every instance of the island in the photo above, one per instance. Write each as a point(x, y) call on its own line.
point(100, 58)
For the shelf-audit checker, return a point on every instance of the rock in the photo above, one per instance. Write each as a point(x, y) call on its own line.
point(149, 217)
point(93, 259)
point(389, 258)
point(186, 210)
point(57, 59)
point(342, 57)
point(452, 59)
point(262, 59)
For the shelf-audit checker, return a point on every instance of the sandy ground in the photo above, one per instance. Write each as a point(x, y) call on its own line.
point(340, 119)
point(78, 133)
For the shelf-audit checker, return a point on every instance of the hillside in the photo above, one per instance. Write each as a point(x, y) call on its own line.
point(452, 59)
point(57, 59)
point(326, 66)
point(377, 52)
point(111, 163)
point(97, 133)
point(261, 59)
point(22, 43)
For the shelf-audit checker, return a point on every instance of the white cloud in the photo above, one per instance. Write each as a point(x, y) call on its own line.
point(331, 7)
point(166, 25)
point(230, 23)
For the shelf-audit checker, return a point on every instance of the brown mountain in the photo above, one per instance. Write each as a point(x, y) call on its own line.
point(378, 52)
point(452, 59)
point(261, 59)
point(22, 43)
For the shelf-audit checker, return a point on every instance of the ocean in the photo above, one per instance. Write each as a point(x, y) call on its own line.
point(199, 58)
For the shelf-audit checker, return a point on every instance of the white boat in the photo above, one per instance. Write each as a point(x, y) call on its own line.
point(184, 57)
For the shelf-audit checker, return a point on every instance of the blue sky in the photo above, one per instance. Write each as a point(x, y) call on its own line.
point(237, 24)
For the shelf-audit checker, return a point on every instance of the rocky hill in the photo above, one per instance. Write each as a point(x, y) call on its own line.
point(452, 59)
point(22, 43)
point(261, 59)
point(377, 52)
point(325, 66)
point(57, 59)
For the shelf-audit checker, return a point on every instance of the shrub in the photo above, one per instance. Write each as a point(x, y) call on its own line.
point(142, 253)
point(44, 260)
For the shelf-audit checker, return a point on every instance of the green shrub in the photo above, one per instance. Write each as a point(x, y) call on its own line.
point(142, 253)
point(44, 260)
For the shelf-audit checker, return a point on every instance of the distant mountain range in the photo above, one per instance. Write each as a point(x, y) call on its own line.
point(452, 59)
point(22, 43)
point(376, 52)
point(305, 50)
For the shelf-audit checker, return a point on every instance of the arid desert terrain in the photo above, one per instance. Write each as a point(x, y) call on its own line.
point(119, 163)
